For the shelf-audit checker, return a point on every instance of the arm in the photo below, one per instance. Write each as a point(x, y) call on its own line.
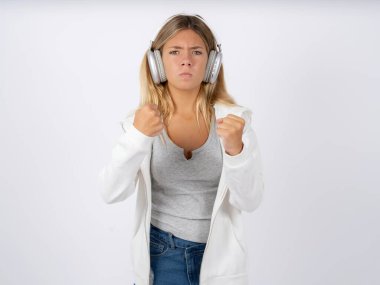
point(119, 177)
point(244, 175)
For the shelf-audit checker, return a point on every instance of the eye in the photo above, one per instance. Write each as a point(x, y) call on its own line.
point(197, 52)
point(173, 52)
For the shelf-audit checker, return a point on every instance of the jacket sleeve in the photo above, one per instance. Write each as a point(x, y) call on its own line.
point(119, 177)
point(244, 174)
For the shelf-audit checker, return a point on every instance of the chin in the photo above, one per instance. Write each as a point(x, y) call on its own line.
point(187, 85)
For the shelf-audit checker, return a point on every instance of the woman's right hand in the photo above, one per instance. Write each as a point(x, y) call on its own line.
point(148, 120)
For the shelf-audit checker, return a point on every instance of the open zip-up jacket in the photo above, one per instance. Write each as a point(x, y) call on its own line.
point(240, 189)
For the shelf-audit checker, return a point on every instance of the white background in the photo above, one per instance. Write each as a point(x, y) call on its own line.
point(308, 70)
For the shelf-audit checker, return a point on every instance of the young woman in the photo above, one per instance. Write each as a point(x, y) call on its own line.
point(192, 154)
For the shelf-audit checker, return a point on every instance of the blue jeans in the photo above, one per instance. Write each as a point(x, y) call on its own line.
point(174, 261)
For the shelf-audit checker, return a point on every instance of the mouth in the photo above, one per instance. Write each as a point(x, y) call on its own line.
point(185, 75)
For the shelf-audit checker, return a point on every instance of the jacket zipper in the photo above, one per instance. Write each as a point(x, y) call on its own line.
point(146, 199)
point(212, 224)
point(213, 221)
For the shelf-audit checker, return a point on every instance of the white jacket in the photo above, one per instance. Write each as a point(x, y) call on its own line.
point(240, 189)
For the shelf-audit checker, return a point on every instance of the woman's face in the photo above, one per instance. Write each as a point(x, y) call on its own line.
point(185, 57)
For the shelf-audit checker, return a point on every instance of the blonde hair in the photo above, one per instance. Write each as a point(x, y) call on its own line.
point(208, 94)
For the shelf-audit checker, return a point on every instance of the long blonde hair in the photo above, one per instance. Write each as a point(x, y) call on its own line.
point(159, 94)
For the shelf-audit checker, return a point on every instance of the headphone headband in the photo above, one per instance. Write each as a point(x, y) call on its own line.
point(185, 14)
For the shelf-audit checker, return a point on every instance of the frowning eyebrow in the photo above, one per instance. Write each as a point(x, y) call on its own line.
point(194, 47)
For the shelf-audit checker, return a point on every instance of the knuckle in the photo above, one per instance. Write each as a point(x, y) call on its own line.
point(152, 112)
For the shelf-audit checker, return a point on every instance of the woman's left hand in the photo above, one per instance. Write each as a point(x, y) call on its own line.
point(230, 129)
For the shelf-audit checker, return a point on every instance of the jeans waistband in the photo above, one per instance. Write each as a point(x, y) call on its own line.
point(174, 241)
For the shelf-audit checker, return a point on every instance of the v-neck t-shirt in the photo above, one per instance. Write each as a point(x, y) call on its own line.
point(184, 190)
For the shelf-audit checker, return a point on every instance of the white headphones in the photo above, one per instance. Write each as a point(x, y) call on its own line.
point(156, 65)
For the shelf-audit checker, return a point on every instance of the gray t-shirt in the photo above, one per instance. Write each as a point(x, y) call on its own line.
point(184, 191)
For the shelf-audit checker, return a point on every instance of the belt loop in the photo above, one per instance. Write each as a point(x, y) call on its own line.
point(171, 240)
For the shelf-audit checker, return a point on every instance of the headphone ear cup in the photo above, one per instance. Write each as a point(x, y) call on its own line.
point(210, 63)
point(156, 66)
point(215, 68)
point(153, 67)
point(160, 65)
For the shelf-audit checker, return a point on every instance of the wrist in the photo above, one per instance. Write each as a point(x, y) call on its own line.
point(236, 151)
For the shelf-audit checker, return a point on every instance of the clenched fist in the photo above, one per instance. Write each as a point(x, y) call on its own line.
point(230, 129)
point(148, 120)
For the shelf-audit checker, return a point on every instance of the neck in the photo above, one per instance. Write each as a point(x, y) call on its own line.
point(184, 100)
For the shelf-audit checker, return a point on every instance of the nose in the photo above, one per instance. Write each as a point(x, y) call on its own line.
point(186, 59)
